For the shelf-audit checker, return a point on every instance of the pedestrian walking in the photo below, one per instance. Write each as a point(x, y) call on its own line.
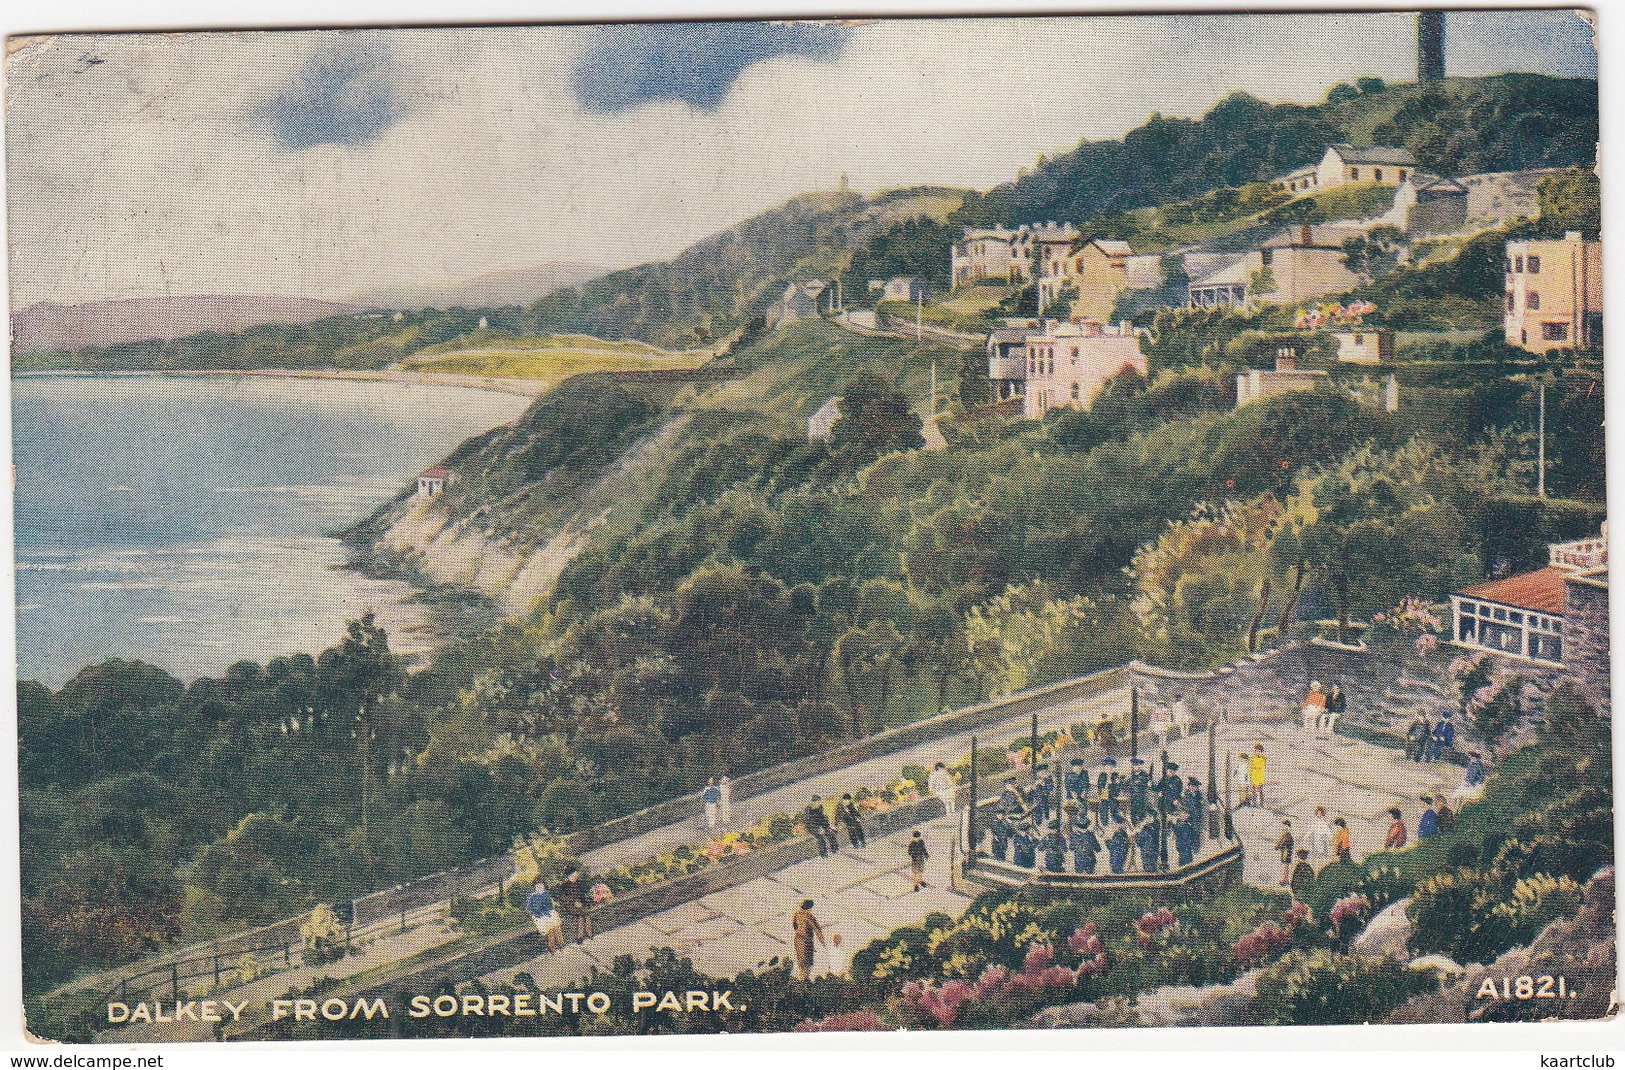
point(572, 897)
point(1287, 846)
point(817, 822)
point(711, 796)
point(847, 813)
point(1320, 834)
point(1342, 846)
point(1303, 876)
point(539, 905)
point(1447, 816)
point(1396, 837)
point(807, 931)
point(836, 953)
point(1428, 824)
point(725, 804)
point(917, 854)
point(1257, 765)
point(941, 784)
point(1105, 737)
point(1182, 716)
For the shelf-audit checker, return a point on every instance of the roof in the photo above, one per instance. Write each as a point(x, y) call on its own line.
point(1236, 274)
point(1114, 248)
point(1375, 154)
point(1009, 334)
point(436, 472)
point(1541, 591)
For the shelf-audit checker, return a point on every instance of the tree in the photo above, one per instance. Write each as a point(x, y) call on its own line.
point(353, 680)
point(875, 419)
point(1341, 93)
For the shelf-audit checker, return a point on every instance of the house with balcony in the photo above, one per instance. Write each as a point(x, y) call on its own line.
point(1007, 361)
point(1068, 363)
point(1555, 615)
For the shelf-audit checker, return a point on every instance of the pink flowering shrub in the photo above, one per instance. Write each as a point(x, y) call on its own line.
point(1295, 917)
point(1346, 917)
point(1039, 979)
point(1265, 943)
point(601, 893)
point(1426, 644)
point(1156, 926)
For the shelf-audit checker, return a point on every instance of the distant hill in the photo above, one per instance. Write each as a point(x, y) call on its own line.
point(495, 289)
point(48, 326)
point(1507, 122)
point(715, 286)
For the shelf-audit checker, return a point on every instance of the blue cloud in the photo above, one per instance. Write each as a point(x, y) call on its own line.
point(696, 62)
point(338, 98)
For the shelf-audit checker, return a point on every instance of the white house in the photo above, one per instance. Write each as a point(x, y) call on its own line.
point(1364, 345)
point(1345, 165)
point(433, 482)
point(1259, 383)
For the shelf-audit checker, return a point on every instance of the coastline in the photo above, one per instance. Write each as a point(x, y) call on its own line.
point(529, 388)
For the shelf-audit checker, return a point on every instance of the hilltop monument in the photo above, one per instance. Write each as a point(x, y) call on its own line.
point(1430, 46)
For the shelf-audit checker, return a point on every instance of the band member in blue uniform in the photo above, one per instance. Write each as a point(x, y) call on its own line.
point(1139, 789)
point(1042, 790)
point(1117, 847)
point(1085, 847)
point(1054, 847)
point(999, 829)
point(1114, 795)
point(1010, 801)
point(1024, 846)
point(1185, 836)
point(1172, 787)
point(1148, 838)
point(1077, 782)
point(1195, 805)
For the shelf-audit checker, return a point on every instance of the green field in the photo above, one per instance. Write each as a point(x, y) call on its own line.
point(551, 358)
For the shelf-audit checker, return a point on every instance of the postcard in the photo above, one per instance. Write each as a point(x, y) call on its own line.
point(1073, 522)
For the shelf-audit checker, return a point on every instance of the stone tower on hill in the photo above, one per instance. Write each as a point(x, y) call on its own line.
point(1430, 46)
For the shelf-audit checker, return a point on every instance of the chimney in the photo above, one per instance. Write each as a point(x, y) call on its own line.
point(1571, 235)
point(1306, 234)
point(1286, 359)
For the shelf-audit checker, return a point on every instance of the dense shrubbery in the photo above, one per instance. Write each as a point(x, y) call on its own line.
point(1323, 987)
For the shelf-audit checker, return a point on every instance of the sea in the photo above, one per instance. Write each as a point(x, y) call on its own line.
point(186, 520)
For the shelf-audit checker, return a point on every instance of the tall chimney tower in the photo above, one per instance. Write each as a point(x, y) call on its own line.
point(1430, 46)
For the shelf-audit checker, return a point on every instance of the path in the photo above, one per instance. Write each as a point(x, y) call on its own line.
point(867, 876)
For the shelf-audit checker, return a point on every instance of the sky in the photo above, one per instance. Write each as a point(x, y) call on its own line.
point(328, 163)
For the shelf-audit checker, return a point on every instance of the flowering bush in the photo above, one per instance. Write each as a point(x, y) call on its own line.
point(1039, 980)
point(1263, 944)
point(1155, 928)
point(1426, 644)
point(1346, 917)
point(601, 894)
point(1410, 617)
point(1297, 916)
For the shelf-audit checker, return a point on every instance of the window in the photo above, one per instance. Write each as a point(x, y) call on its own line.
point(1531, 299)
point(1517, 264)
point(1545, 647)
point(1534, 265)
point(1379, 174)
point(1402, 174)
point(1075, 392)
point(1509, 302)
point(1509, 265)
point(1354, 173)
point(1554, 332)
point(1359, 339)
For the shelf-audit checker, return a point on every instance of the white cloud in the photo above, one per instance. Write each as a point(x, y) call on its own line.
point(155, 171)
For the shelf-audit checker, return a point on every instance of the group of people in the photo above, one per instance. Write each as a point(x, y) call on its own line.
point(1328, 839)
point(549, 909)
point(1427, 740)
point(1128, 818)
point(1321, 709)
point(717, 798)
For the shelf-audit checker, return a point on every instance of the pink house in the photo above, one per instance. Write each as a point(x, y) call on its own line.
point(1068, 363)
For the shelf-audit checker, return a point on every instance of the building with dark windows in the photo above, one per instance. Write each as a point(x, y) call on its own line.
point(1538, 616)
